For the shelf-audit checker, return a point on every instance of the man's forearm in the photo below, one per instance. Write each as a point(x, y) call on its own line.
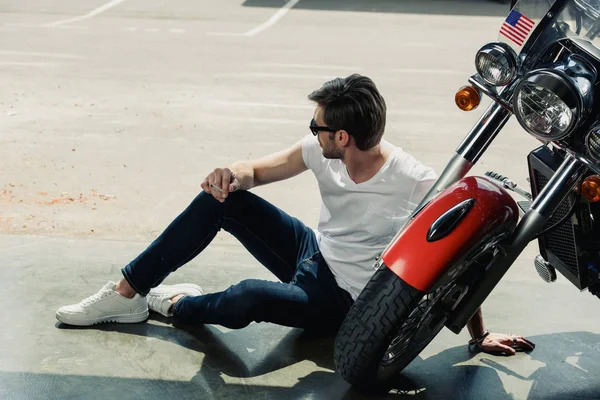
point(244, 173)
point(475, 325)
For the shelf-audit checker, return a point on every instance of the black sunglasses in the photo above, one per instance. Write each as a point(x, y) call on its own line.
point(314, 128)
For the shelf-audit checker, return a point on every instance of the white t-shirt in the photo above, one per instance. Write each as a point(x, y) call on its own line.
point(358, 221)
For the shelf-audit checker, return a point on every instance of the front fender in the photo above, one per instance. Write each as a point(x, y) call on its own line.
point(447, 228)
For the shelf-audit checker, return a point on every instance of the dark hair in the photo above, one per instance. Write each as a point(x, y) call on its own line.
point(355, 105)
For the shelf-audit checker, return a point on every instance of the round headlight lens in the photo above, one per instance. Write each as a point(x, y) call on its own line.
point(547, 105)
point(496, 63)
point(543, 112)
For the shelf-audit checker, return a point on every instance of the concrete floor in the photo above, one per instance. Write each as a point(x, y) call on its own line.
point(111, 121)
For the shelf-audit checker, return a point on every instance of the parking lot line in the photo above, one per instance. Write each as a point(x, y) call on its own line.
point(36, 54)
point(26, 64)
point(91, 14)
point(19, 25)
point(273, 20)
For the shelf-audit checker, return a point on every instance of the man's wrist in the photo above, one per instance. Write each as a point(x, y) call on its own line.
point(475, 325)
point(241, 172)
point(478, 340)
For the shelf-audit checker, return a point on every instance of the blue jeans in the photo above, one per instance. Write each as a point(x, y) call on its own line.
point(307, 295)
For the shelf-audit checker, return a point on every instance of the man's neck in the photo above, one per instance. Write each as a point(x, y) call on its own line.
point(363, 165)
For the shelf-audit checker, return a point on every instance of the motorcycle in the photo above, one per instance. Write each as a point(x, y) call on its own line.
point(468, 230)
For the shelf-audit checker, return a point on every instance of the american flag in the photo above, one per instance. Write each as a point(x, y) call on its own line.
point(517, 27)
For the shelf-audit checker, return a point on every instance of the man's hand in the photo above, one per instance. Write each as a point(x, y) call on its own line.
point(505, 343)
point(220, 183)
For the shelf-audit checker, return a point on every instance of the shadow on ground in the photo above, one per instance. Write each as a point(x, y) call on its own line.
point(568, 367)
point(495, 8)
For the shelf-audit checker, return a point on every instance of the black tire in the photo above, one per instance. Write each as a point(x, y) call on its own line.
point(369, 328)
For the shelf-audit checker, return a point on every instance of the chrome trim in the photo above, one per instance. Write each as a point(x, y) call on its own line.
point(572, 80)
point(591, 164)
point(445, 223)
point(457, 168)
point(484, 132)
point(473, 146)
point(544, 269)
point(588, 163)
point(491, 92)
point(508, 184)
point(560, 185)
point(467, 154)
point(557, 79)
point(506, 51)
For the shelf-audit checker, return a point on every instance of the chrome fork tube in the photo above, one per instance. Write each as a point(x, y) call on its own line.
point(471, 149)
point(560, 185)
point(467, 153)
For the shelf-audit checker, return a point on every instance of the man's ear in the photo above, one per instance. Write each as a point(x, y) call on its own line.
point(342, 138)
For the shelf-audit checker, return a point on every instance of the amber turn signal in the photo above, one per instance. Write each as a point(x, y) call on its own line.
point(467, 98)
point(590, 188)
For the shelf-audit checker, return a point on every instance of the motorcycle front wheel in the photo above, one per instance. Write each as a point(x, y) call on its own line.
point(387, 327)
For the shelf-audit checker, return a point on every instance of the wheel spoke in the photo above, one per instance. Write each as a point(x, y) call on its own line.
point(409, 330)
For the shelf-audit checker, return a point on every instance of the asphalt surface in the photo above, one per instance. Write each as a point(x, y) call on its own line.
point(112, 113)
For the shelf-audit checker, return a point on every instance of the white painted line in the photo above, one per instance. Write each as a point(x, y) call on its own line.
point(224, 34)
point(35, 54)
point(273, 20)
point(16, 25)
point(91, 14)
point(177, 30)
point(131, 29)
point(306, 66)
point(26, 64)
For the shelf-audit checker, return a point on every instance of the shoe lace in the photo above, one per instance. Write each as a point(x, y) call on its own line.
point(93, 298)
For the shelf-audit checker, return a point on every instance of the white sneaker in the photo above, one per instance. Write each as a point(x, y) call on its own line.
point(105, 306)
point(159, 298)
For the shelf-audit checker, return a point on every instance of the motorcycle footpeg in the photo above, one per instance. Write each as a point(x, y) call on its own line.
point(508, 184)
point(544, 269)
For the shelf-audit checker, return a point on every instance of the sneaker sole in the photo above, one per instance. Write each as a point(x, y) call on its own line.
point(122, 319)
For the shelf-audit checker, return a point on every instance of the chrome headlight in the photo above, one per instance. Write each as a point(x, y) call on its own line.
point(546, 105)
point(550, 102)
point(496, 63)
